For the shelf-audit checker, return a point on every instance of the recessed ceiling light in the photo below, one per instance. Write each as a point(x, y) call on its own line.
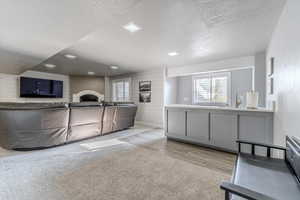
point(91, 73)
point(70, 56)
point(173, 53)
point(114, 67)
point(48, 65)
point(132, 27)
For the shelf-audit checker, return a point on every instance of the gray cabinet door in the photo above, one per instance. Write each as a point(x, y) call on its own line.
point(176, 122)
point(256, 128)
point(198, 126)
point(224, 130)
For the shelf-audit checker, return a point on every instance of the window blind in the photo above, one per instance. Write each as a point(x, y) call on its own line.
point(219, 89)
point(202, 89)
point(120, 90)
point(212, 88)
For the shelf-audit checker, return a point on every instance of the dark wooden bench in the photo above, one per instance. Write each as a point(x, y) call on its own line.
point(258, 177)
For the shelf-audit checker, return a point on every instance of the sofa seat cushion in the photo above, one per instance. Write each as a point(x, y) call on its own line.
point(85, 115)
point(269, 176)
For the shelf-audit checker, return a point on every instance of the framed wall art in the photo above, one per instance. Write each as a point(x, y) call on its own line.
point(145, 97)
point(145, 86)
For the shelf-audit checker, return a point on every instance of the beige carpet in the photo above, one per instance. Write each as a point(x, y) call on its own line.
point(145, 167)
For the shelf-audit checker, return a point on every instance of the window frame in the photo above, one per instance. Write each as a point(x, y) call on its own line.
point(129, 89)
point(211, 75)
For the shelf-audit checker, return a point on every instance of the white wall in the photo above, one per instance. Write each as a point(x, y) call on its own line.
point(185, 90)
point(171, 90)
point(260, 77)
point(241, 82)
point(285, 48)
point(107, 89)
point(257, 61)
point(148, 113)
point(9, 87)
point(239, 62)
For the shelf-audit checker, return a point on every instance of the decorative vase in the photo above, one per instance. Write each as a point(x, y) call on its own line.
point(252, 100)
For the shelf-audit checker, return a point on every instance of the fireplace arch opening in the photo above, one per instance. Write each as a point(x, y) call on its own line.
point(89, 98)
point(88, 95)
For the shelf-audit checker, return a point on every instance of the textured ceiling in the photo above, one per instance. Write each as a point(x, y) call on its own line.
point(34, 32)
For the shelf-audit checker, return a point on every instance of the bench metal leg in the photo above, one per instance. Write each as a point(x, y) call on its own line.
point(227, 195)
point(253, 149)
point(269, 152)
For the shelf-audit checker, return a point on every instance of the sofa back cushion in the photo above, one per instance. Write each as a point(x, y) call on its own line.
point(108, 119)
point(124, 117)
point(84, 122)
point(32, 128)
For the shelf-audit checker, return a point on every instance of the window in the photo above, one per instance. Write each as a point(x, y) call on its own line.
point(213, 88)
point(120, 90)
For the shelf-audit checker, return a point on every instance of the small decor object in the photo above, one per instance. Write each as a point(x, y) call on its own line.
point(273, 103)
point(252, 100)
point(238, 100)
point(145, 97)
point(145, 86)
point(271, 69)
point(270, 84)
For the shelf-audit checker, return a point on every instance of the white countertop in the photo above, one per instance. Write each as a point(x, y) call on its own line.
point(218, 108)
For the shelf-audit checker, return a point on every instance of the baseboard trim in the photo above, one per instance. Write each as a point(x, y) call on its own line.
point(154, 125)
point(178, 139)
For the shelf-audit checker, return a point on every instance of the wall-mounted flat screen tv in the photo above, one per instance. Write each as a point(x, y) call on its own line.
point(40, 88)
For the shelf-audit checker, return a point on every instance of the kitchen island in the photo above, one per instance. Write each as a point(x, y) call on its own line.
point(218, 127)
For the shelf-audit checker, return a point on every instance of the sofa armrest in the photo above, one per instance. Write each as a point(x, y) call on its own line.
point(253, 144)
point(231, 188)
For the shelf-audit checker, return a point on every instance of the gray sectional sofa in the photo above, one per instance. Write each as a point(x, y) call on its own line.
point(40, 125)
